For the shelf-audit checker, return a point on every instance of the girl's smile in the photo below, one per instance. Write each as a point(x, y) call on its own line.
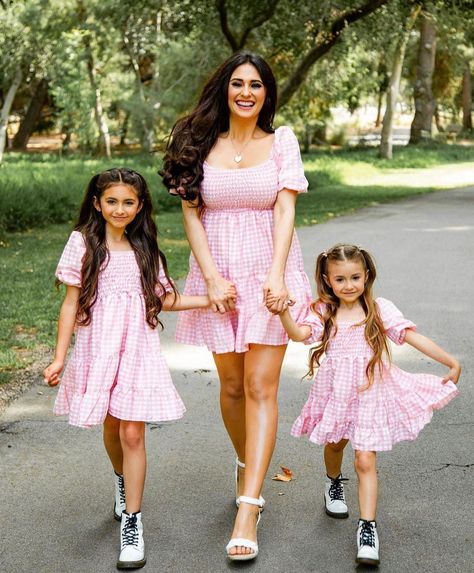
point(347, 280)
point(119, 205)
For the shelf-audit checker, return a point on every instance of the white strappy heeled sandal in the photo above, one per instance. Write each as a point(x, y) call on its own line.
point(241, 541)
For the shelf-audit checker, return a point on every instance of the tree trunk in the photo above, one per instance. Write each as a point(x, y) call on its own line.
point(379, 109)
point(7, 105)
point(124, 128)
point(66, 144)
point(98, 112)
point(146, 123)
point(424, 100)
point(98, 109)
point(383, 79)
point(393, 89)
point(437, 118)
point(32, 115)
point(148, 104)
point(467, 99)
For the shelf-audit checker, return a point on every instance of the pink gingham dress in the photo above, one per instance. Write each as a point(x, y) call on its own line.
point(393, 409)
point(238, 221)
point(117, 365)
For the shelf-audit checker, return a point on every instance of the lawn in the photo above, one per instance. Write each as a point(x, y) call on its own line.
point(41, 193)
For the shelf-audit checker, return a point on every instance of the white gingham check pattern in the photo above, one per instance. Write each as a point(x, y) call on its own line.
point(116, 365)
point(238, 220)
point(393, 409)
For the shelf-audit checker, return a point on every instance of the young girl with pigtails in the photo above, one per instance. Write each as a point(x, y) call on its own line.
point(358, 395)
point(116, 285)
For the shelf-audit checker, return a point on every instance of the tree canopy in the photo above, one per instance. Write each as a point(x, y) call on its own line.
point(96, 70)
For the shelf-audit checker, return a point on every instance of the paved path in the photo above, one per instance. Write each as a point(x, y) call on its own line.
point(56, 485)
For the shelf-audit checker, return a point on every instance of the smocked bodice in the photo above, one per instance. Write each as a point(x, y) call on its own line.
point(253, 188)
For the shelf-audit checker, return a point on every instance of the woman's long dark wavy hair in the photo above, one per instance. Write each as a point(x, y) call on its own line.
point(141, 234)
point(374, 329)
point(194, 135)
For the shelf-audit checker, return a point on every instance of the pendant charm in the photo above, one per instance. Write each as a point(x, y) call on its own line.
point(238, 158)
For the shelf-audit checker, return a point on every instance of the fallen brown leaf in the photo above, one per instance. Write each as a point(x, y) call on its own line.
point(287, 471)
point(280, 477)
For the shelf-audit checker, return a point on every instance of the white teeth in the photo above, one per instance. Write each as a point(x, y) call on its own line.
point(245, 103)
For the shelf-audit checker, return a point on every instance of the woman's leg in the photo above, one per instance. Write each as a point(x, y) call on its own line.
point(261, 380)
point(132, 438)
point(366, 469)
point(113, 446)
point(230, 367)
point(333, 454)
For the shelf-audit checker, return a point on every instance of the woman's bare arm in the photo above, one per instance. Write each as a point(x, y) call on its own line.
point(222, 294)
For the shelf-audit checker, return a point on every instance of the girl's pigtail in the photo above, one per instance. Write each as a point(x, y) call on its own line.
point(374, 328)
point(325, 307)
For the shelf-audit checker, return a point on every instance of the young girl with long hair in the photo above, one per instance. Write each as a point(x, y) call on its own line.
point(238, 179)
point(117, 283)
point(358, 395)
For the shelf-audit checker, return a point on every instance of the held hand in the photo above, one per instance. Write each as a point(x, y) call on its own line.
point(275, 294)
point(222, 295)
point(274, 305)
point(52, 372)
point(453, 374)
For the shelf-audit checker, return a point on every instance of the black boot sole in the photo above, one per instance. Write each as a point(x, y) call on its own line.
point(336, 515)
point(369, 562)
point(131, 564)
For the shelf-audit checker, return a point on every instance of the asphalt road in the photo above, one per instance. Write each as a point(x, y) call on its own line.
point(56, 489)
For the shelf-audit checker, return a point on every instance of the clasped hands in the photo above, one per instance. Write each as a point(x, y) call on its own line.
point(276, 298)
point(223, 295)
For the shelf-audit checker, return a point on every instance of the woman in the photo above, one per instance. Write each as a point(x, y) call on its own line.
point(239, 179)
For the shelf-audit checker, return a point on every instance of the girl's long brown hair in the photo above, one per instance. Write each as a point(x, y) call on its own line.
point(141, 234)
point(327, 304)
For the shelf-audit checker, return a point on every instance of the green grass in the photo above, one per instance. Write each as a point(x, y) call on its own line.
point(37, 190)
point(340, 182)
point(404, 157)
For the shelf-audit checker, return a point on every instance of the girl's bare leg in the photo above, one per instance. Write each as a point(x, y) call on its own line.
point(113, 446)
point(261, 379)
point(132, 437)
point(333, 454)
point(366, 469)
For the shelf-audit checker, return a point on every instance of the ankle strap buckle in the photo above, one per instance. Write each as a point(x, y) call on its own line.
point(260, 502)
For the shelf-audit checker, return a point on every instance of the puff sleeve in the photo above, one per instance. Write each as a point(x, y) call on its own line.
point(314, 322)
point(393, 320)
point(69, 267)
point(288, 159)
point(165, 286)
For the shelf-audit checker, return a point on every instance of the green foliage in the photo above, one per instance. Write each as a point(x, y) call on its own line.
point(36, 191)
point(153, 56)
